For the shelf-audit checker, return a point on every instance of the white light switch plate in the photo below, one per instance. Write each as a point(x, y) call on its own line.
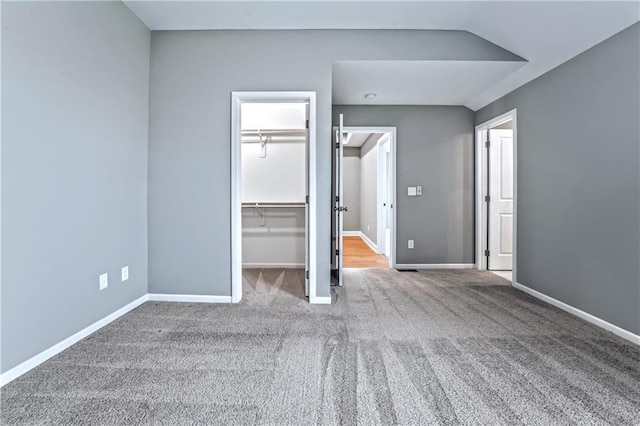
point(410, 244)
point(125, 273)
point(412, 191)
point(104, 281)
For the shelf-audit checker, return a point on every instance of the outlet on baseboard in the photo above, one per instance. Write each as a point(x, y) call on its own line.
point(104, 281)
point(125, 273)
point(410, 244)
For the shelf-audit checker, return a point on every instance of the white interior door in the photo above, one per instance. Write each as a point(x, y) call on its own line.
point(387, 226)
point(339, 207)
point(500, 157)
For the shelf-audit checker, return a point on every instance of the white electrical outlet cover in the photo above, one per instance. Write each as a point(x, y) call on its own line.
point(412, 191)
point(418, 190)
point(104, 281)
point(125, 273)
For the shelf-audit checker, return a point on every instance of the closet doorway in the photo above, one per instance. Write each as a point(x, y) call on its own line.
point(273, 194)
point(364, 214)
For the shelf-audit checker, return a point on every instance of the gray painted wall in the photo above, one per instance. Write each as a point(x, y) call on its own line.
point(75, 83)
point(579, 180)
point(351, 188)
point(369, 188)
point(435, 150)
point(192, 76)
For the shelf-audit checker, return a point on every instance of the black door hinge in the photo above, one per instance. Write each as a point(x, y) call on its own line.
point(337, 252)
point(486, 253)
point(306, 274)
point(487, 198)
point(487, 144)
point(306, 199)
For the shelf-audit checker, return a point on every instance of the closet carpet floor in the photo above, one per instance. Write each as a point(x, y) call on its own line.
point(429, 347)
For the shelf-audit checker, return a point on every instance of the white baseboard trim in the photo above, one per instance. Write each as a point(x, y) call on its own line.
point(361, 234)
point(370, 243)
point(273, 265)
point(320, 300)
point(38, 359)
point(621, 332)
point(189, 298)
point(434, 266)
point(43, 356)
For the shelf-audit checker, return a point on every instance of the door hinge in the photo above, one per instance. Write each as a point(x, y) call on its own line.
point(337, 199)
point(337, 145)
point(306, 199)
point(487, 144)
point(307, 123)
point(486, 253)
point(337, 252)
point(306, 274)
point(487, 198)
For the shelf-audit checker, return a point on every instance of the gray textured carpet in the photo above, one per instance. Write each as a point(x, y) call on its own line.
point(437, 347)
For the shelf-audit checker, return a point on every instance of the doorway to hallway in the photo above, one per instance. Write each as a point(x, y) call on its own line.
point(363, 216)
point(358, 254)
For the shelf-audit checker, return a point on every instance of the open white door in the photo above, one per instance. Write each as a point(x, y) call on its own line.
point(387, 204)
point(500, 174)
point(339, 199)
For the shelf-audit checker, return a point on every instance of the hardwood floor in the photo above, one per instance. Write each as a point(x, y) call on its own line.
point(357, 254)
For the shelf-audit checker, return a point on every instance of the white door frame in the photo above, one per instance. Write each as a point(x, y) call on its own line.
point(392, 160)
point(237, 98)
point(482, 213)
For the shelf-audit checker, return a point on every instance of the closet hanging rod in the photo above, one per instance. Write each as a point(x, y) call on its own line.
point(272, 205)
point(274, 132)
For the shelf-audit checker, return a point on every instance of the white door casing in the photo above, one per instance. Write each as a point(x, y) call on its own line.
point(237, 98)
point(389, 140)
point(307, 211)
point(500, 155)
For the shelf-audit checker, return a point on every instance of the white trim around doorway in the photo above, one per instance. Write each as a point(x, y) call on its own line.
point(391, 131)
point(237, 98)
point(481, 185)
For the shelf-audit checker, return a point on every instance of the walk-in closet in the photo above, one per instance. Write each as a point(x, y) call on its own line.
point(274, 188)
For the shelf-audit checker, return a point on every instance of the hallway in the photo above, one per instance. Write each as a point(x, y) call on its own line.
point(357, 254)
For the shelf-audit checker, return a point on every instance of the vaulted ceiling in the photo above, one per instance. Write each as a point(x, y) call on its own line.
point(545, 33)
